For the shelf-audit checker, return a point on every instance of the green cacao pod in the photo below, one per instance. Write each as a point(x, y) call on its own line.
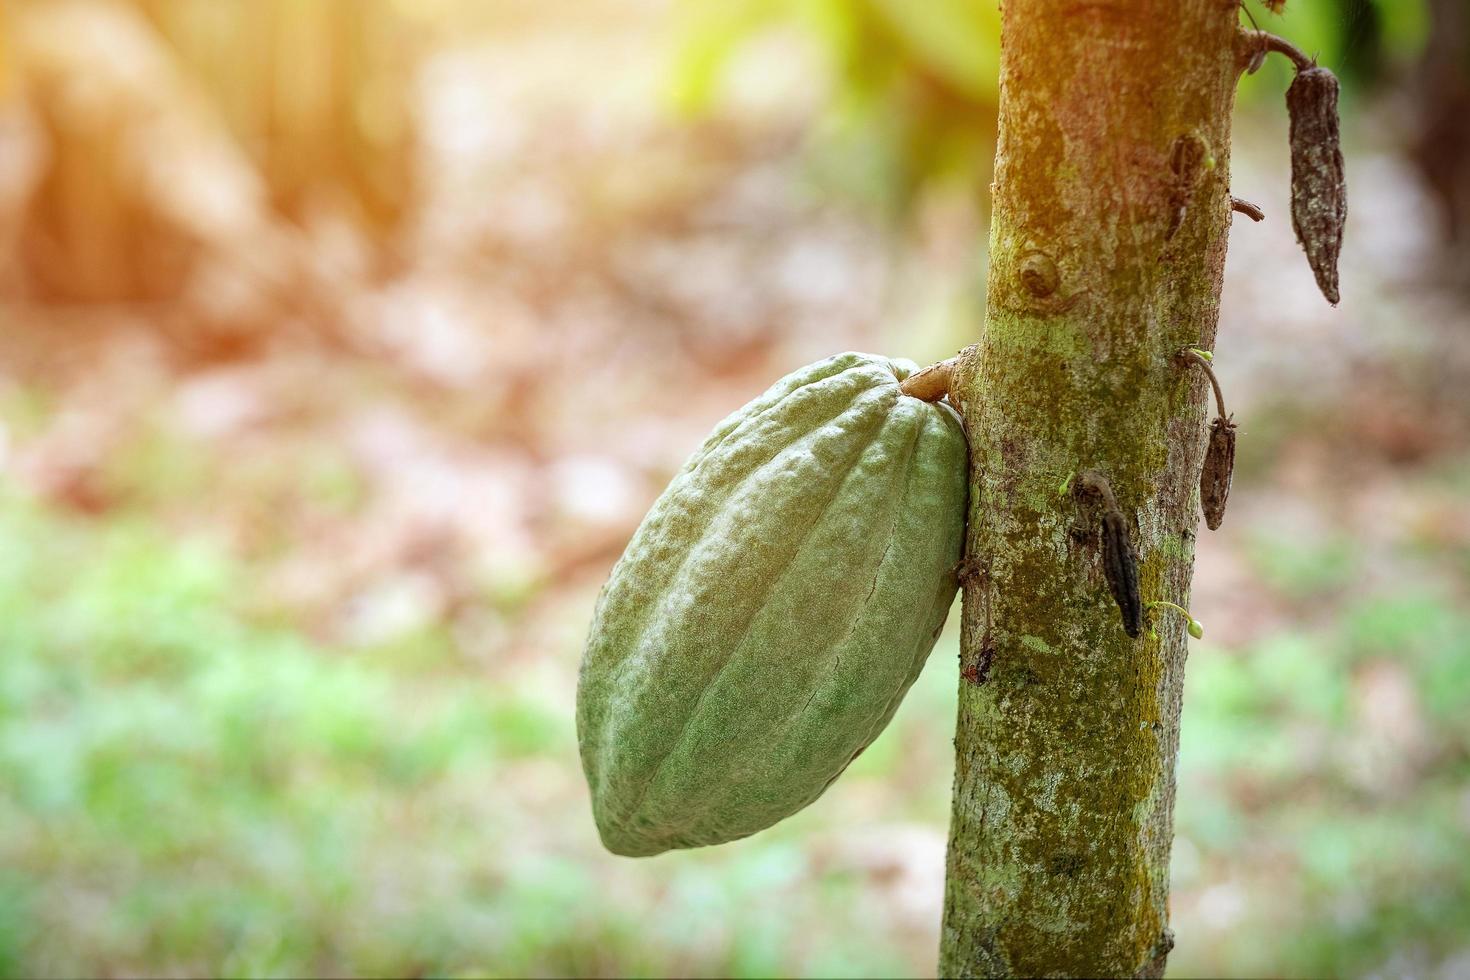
point(772, 609)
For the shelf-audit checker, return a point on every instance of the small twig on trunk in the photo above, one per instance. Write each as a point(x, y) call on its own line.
point(1252, 211)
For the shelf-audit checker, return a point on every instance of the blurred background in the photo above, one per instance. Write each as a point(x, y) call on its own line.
point(343, 343)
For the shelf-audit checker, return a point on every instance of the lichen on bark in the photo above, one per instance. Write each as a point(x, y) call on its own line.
point(1103, 263)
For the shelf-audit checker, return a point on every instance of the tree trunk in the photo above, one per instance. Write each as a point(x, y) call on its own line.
point(1442, 149)
point(1111, 211)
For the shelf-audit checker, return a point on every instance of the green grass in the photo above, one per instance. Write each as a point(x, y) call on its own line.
point(190, 784)
point(1349, 839)
point(183, 789)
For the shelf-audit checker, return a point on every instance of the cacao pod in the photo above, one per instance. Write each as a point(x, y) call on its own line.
point(772, 609)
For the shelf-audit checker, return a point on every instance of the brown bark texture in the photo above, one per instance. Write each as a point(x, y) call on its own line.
point(1111, 212)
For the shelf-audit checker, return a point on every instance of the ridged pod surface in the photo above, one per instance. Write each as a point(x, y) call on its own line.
point(772, 609)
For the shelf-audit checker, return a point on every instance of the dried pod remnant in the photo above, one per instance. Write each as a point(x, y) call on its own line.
point(1119, 559)
point(1120, 564)
point(1214, 480)
point(1318, 184)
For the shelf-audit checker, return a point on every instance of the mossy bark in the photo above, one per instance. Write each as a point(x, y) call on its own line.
point(1111, 212)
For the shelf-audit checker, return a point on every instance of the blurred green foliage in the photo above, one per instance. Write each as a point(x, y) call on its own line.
point(1366, 42)
point(188, 786)
point(912, 88)
point(1369, 827)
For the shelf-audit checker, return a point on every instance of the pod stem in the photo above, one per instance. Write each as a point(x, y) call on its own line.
point(1091, 481)
point(931, 383)
point(1271, 42)
point(1195, 356)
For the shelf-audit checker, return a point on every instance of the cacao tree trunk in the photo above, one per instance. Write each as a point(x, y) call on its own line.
point(1111, 211)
